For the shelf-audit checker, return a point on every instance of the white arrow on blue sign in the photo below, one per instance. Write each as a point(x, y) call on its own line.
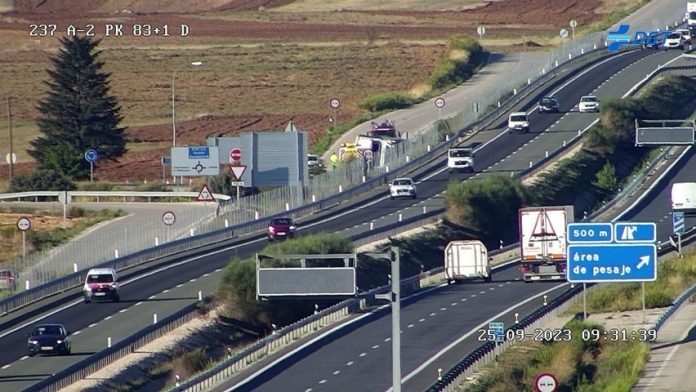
point(590, 232)
point(633, 232)
point(678, 222)
point(91, 155)
point(612, 263)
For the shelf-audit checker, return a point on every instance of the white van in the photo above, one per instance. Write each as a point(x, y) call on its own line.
point(460, 158)
point(684, 197)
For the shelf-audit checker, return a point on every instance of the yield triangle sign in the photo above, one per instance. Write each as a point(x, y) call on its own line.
point(237, 172)
point(205, 194)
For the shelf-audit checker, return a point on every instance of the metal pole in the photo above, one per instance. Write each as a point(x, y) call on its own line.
point(24, 245)
point(173, 114)
point(679, 249)
point(91, 171)
point(584, 302)
point(334, 120)
point(642, 298)
point(236, 202)
point(396, 320)
point(9, 126)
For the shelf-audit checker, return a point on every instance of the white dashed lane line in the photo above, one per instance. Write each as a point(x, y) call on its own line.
point(421, 320)
point(410, 326)
point(443, 309)
point(387, 339)
point(349, 363)
point(5, 367)
point(77, 333)
point(432, 314)
point(336, 372)
point(24, 357)
point(322, 381)
point(123, 310)
point(107, 317)
point(92, 325)
point(362, 354)
point(138, 303)
point(473, 295)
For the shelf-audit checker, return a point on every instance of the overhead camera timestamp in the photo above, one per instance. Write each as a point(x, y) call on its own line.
point(110, 30)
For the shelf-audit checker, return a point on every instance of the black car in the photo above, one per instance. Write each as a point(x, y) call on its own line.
point(49, 339)
point(549, 104)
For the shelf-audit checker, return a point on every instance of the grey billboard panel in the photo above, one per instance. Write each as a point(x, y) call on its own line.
point(665, 135)
point(305, 281)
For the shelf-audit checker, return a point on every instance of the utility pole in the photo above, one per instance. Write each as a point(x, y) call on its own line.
point(173, 113)
point(9, 126)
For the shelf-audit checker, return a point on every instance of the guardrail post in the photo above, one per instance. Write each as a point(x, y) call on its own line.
point(545, 296)
point(424, 209)
point(529, 81)
point(372, 225)
point(531, 164)
point(594, 46)
point(192, 230)
point(26, 285)
point(428, 147)
point(287, 205)
point(400, 217)
point(386, 168)
point(570, 56)
point(108, 342)
point(439, 374)
point(514, 91)
point(200, 295)
point(154, 318)
point(543, 71)
point(256, 213)
point(156, 243)
point(564, 143)
point(363, 177)
point(556, 63)
point(546, 154)
point(178, 383)
point(74, 267)
point(498, 103)
point(579, 132)
point(115, 253)
point(516, 319)
point(409, 159)
point(227, 223)
point(340, 188)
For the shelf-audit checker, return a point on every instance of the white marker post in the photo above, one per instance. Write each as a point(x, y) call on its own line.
point(335, 103)
point(24, 224)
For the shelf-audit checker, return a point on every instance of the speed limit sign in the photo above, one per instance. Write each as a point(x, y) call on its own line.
point(24, 223)
point(169, 218)
point(335, 103)
point(440, 102)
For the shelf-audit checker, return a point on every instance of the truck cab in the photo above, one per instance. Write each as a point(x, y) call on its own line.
point(460, 159)
point(518, 122)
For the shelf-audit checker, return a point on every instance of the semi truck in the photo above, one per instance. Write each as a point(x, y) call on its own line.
point(691, 14)
point(543, 252)
point(465, 260)
point(683, 197)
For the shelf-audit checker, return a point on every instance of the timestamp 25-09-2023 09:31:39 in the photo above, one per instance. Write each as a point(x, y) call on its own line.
point(567, 335)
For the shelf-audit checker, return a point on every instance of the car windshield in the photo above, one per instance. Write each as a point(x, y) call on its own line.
point(312, 159)
point(281, 221)
point(403, 182)
point(674, 36)
point(5, 274)
point(460, 153)
point(100, 278)
point(589, 99)
point(518, 118)
point(45, 330)
point(548, 101)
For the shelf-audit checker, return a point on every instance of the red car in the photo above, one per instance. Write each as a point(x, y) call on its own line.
point(281, 228)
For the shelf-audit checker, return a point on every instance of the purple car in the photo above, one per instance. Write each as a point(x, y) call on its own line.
point(280, 228)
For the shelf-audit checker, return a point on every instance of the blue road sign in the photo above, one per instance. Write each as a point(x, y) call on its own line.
point(91, 155)
point(634, 232)
point(612, 263)
point(498, 330)
point(198, 152)
point(678, 222)
point(590, 232)
point(166, 161)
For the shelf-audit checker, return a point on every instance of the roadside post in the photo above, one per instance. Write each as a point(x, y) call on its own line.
point(237, 169)
point(678, 224)
point(439, 103)
point(168, 218)
point(24, 224)
point(612, 252)
point(573, 24)
point(91, 156)
point(335, 103)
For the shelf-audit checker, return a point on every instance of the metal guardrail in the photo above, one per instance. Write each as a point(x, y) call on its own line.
point(19, 196)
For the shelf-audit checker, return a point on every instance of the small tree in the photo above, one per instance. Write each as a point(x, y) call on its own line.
point(606, 179)
point(78, 113)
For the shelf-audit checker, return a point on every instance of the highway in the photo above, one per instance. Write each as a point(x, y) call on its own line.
point(98, 321)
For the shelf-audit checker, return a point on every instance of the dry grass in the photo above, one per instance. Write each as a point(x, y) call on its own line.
point(332, 5)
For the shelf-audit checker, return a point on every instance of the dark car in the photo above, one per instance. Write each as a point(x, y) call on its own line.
point(549, 104)
point(49, 339)
point(8, 281)
point(281, 228)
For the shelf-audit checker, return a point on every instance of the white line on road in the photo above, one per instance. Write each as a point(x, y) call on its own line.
point(336, 372)
point(473, 295)
point(387, 339)
point(322, 381)
point(152, 297)
point(375, 346)
point(421, 320)
point(349, 363)
point(179, 285)
point(138, 303)
point(410, 326)
point(123, 310)
point(165, 291)
point(107, 318)
point(24, 357)
point(77, 333)
point(192, 280)
point(6, 366)
point(443, 309)
point(432, 314)
point(362, 354)
point(492, 288)
point(92, 325)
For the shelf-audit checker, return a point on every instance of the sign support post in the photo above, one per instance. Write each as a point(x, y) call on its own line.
point(642, 298)
point(334, 103)
point(679, 245)
point(584, 302)
point(91, 156)
point(24, 224)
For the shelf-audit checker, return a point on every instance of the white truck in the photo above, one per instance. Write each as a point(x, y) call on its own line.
point(684, 197)
point(691, 14)
point(467, 260)
point(543, 252)
point(460, 158)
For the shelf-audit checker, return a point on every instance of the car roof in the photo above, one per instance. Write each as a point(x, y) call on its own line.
point(588, 96)
point(99, 271)
point(49, 325)
point(518, 114)
point(554, 98)
point(403, 178)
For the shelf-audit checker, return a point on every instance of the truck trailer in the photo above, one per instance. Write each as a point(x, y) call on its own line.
point(466, 260)
point(543, 252)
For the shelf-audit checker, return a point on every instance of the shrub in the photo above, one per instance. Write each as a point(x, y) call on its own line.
point(195, 361)
point(387, 101)
point(42, 180)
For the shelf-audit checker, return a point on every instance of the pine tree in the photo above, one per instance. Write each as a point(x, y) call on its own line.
point(78, 112)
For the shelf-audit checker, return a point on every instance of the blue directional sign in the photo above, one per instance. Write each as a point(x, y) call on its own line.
point(634, 232)
point(590, 232)
point(678, 222)
point(91, 155)
point(498, 330)
point(198, 152)
point(612, 263)
point(166, 161)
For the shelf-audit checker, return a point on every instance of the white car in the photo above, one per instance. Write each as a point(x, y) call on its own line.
point(674, 40)
point(313, 161)
point(686, 34)
point(588, 103)
point(402, 187)
point(518, 121)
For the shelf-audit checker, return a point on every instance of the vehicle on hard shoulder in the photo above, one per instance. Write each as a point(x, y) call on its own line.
point(674, 40)
point(465, 260)
point(686, 34)
point(49, 339)
point(8, 280)
point(384, 129)
point(543, 253)
point(684, 197)
point(518, 122)
point(588, 103)
point(549, 105)
point(281, 228)
point(402, 187)
point(460, 159)
point(100, 284)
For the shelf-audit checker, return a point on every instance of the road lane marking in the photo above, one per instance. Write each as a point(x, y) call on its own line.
point(123, 310)
point(443, 309)
point(349, 363)
point(6, 366)
point(24, 357)
point(322, 381)
point(336, 372)
point(376, 346)
point(387, 339)
point(410, 326)
point(138, 303)
point(107, 318)
point(92, 325)
point(77, 333)
point(362, 354)
point(432, 314)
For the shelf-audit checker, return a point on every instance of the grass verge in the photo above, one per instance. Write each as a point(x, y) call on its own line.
point(578, 365)
point(673, 277)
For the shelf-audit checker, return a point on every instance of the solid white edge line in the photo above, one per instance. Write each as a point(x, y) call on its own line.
point(473, 330)
point(669, 356)
point(337, 328)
